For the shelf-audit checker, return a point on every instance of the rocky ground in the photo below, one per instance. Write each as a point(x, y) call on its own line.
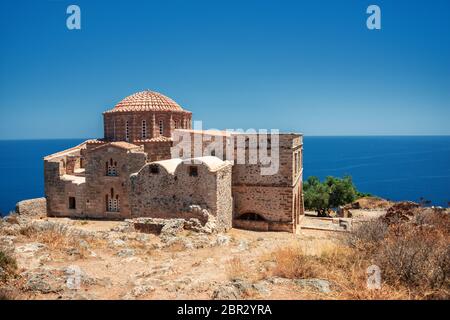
point(60, 258)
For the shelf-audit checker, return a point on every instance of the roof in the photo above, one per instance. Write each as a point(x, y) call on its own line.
point(213, 163)
point(146, 101)
point(155, 139)
point(119, 144)
point(170, 165)
point(208, 132)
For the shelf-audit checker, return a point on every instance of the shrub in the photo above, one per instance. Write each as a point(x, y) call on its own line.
point(292, 262)
point(415, 256)
point(368, 235)
point(235, 269)
point(7, 264)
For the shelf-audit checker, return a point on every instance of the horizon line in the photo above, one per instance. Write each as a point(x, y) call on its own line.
point(304, 135)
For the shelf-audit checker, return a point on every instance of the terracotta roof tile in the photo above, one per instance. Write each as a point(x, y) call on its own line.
point(146, 101)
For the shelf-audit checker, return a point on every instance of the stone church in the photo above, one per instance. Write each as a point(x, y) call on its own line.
point(132, 172)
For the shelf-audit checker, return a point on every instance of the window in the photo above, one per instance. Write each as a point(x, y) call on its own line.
point(193, 171)
point(295, 163)
point(154, 169)
point(112, 202)
point(127, 131)
point(144, 129)
point(161, 127)
point(177, 124)
point(213, 153)
point(111, 168)
point(72, 203)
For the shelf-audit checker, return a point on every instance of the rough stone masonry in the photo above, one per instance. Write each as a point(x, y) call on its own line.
point(132, 172)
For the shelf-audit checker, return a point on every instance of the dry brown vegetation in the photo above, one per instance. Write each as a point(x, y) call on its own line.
point(235, 269)
point(8, 265)
point(413, 255)
point(60, 241)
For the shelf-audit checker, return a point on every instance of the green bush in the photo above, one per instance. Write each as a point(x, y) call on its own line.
point(332, 193)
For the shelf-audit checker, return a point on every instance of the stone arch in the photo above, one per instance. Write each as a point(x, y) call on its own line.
point(251, 216)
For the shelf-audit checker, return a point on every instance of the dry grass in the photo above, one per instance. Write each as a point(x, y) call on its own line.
point(235, 269)
point(59, 241)
point(8, 265)
point(413, 256)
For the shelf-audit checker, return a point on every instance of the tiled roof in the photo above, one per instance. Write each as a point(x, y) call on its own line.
point(146, 101)
point(118, 144)
point(156, 139)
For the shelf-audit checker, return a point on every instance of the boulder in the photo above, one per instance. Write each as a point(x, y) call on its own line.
point(226, 292)
point(401, 212)
point(32, 207)
point(320, 285)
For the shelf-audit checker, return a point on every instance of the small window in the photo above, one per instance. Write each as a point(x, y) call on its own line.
point(193, 171)
point(161, 127)
point(154, 169)
point(213, 153)
point(144, 130)
point(72, 203)
point(127, 131)
point(111, 168)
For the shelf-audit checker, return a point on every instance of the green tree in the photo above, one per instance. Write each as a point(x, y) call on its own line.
point(332, 193)
point(316, 195)
point(342, 191)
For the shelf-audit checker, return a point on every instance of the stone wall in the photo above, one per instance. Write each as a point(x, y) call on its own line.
point(166, 189)
point(58, 185)
point(115, 124)
point(276, 198)
point(100, 187)
point(158, 150)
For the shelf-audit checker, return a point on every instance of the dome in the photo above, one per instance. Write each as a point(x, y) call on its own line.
point(146, 101)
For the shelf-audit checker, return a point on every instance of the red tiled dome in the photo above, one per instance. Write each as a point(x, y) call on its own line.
point(146, 101)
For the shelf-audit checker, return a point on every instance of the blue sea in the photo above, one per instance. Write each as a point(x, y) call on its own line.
point(395, 168)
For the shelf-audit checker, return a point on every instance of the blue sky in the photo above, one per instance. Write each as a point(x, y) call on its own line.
point(304, 66)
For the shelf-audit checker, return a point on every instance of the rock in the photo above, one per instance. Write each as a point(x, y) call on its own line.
point(74, 252)
point(142, 237)
point(320, 285)
point(226, 292)
point(31, 248)
point(163, 269)
point(7, 242)
point(32, 207)
point(75, 277)
point(222, 240)
point(400, 212)
point(261, 288)
point(84, 244)
point(243, 286)
point(138, 291)
point(278, 280)
point(172, 227)
point(235, 289)
point(117, 243)
point(243, 245)
point(125, 253)
point(43, 281)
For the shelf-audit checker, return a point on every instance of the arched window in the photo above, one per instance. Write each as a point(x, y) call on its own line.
point(112, 202)
point(127, 131)
point(144, 129)
point(161, 127)
point(111, 168)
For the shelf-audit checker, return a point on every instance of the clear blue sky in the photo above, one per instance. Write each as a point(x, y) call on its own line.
point(307, 66)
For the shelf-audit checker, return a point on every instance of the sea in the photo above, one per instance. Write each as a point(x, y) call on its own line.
point(392, 167)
